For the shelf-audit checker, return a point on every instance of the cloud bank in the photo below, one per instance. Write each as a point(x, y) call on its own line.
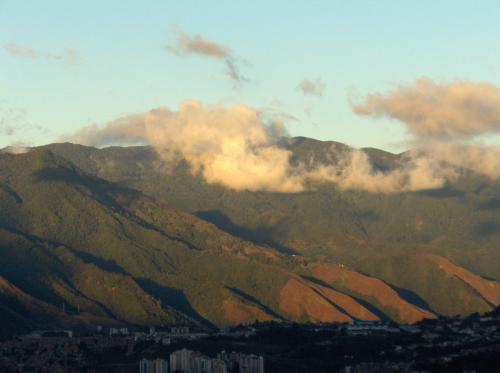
point(186, 45)
point(445, 121)
point(242, 148)
point(227, 146)
point(459, 110)
point(237, 148)
point(356, 172)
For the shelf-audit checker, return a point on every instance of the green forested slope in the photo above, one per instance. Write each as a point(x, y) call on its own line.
point(113, 235)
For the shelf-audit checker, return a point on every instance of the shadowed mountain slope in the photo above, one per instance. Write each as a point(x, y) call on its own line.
point(112, 254)
point(116, 234)
point(366, 232)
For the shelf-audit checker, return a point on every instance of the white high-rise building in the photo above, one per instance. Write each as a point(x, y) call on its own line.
point(200, 363)
point(245, 363)
point(251, 364)
point(161, 366)
point(219, 366)
point(180, 360)
point(153, 366)
point(179, 330)
point(146, 366)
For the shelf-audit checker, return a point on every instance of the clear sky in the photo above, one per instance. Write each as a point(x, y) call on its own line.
point(66, 64)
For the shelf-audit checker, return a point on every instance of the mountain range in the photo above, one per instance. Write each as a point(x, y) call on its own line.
point(114, 236)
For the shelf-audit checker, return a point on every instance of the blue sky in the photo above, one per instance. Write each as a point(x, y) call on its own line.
point(119, 64)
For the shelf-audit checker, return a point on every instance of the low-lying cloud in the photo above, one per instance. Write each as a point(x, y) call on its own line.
point(16, 150)
point(227, 146)
point(476, 157)
point(445, 121)
point(186, 45)
point(237, 148)
point(356, 172)
point(242, 148)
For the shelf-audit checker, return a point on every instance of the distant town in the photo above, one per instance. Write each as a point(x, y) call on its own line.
point(194, 362)
point(470, 344)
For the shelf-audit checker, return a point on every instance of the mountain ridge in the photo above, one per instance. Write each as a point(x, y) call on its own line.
point(170, 240)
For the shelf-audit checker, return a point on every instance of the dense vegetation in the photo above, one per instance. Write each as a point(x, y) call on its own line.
point(114, 235)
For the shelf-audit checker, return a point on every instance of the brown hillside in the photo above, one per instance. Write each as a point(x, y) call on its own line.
point(489, 289)
point(303, 300)
point(373, 288)
point(239, 312)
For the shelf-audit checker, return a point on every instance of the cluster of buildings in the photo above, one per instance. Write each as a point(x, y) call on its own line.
point(153, 366)
point(163, 336)
point(50, 333)
point(447, 344)
point(169, 335)
point(245, 363)
point(361, 327)
point(118, 331)
point(56, 351)
point(442, 344)
point(187, 361)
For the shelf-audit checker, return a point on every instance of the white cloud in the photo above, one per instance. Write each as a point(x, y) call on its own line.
point(16, 50)
point(447, 111)
point(312, 87)
point(68, 56)
point(237, 148)
point(444, 122)
point(186, 45)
